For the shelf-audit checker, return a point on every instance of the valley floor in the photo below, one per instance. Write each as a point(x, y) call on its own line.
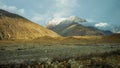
point(59, 55)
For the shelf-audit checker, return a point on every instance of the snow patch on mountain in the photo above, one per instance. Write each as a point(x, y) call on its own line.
point(55, 21)
point(75, 19)
point(68, 20)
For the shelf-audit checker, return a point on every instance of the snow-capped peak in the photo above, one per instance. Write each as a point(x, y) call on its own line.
point(70, 19)
point(76, 19)
point(55, 21)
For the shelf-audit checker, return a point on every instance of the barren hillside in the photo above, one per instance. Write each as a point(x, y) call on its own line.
point(13, 26)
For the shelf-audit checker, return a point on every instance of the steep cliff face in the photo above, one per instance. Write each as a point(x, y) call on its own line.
point(13, 26)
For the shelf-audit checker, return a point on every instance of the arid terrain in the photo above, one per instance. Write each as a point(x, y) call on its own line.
point(25, 44)
point(65, 52)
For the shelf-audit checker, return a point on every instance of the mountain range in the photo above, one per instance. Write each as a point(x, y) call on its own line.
point(72, 26)
point(14, 26)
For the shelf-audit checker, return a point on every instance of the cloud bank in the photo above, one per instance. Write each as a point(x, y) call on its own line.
point(101, 25)
point(13, 9)
point(58, 9)
point(64, 7)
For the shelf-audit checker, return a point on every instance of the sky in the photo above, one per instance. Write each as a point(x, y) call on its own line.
point(105, 12)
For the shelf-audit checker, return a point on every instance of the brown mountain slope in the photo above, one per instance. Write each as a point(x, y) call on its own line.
point(79, 30)
point(75, 29)
point(13, 26)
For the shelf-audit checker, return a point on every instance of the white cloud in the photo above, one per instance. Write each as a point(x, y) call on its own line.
point(22, 11)
point(56, 21)
point(13, 9)
point(41, 18)
point(101, 24)
point(58, 9)
point(64, 7)
point(36, 17)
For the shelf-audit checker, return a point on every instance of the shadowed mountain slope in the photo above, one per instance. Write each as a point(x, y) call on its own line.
point(75, 29)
